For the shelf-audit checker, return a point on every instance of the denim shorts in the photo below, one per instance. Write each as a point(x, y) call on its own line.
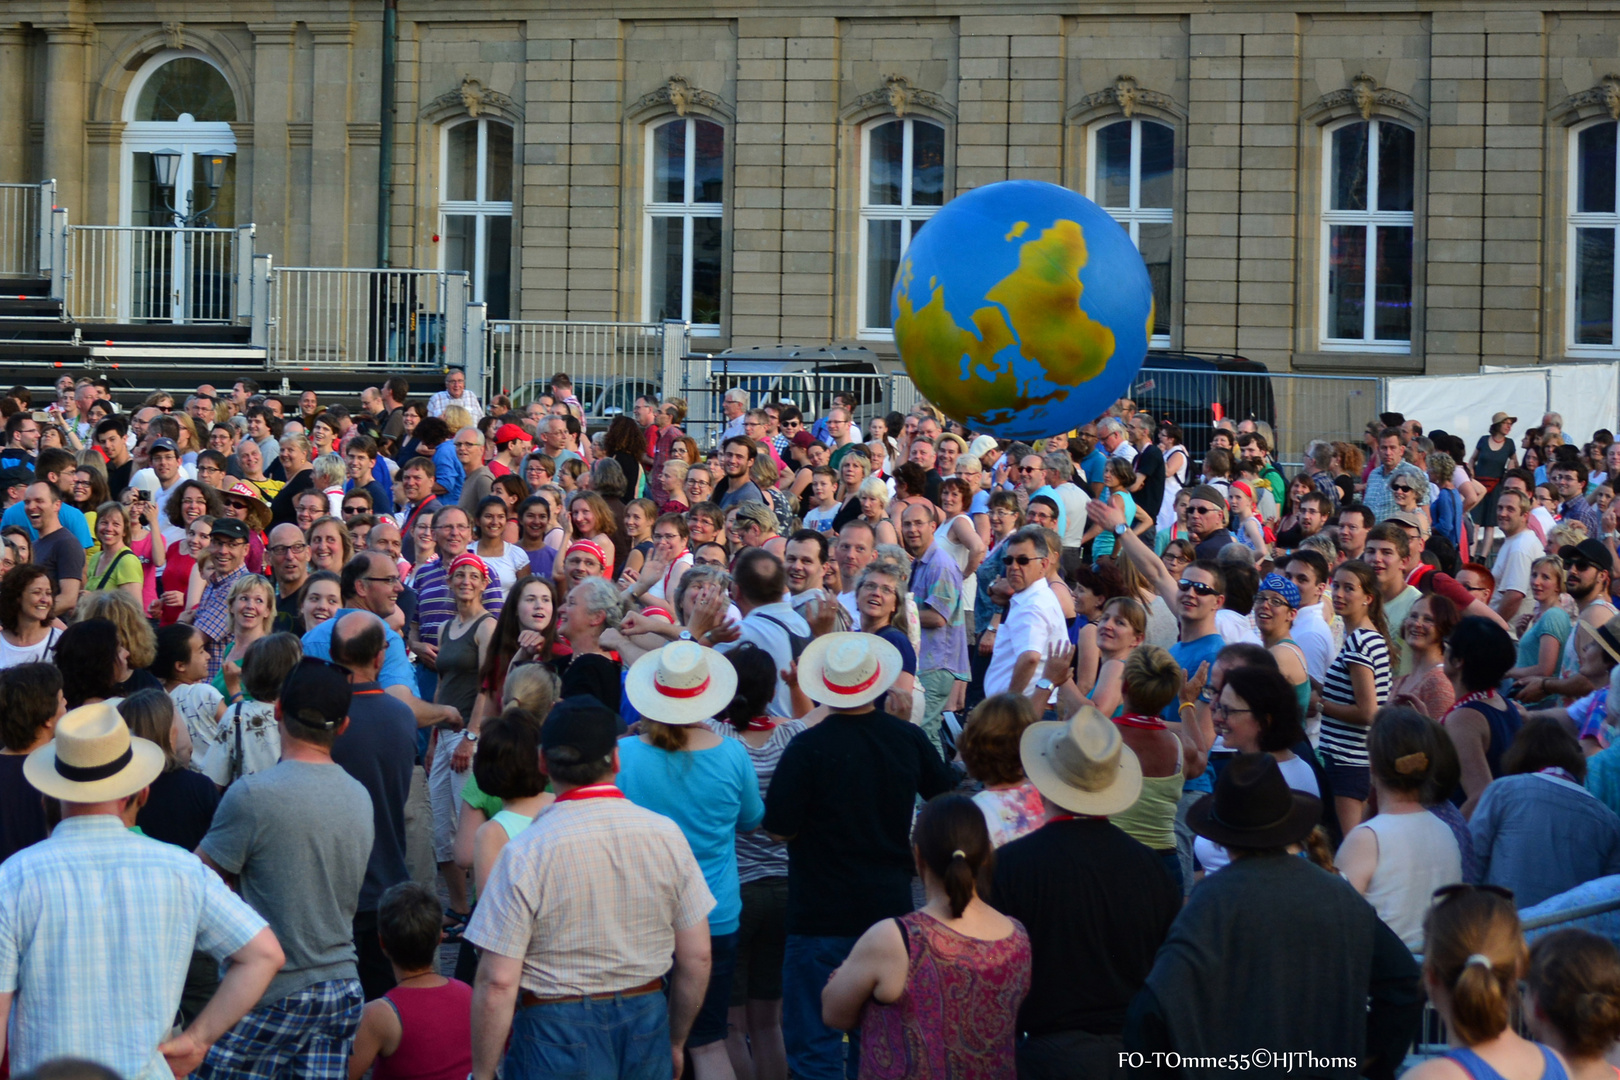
point(1349, 781)
point(711, 1024)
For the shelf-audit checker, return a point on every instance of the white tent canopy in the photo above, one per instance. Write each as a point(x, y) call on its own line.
point(1587, 395)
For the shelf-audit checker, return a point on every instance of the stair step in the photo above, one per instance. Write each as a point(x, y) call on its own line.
point(28, 287)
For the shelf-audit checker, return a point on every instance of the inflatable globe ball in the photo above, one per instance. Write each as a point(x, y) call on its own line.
point(1022, 309)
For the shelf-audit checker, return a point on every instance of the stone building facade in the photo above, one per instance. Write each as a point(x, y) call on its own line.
point(1402, 188)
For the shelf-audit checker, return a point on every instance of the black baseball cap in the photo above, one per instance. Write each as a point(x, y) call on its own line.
point(583, 725)
point(316, 694)
point(229, 528)
point(1591, 551)
point(15, 476)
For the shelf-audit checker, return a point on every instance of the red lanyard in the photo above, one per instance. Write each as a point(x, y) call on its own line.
point(1466, 699)
point(591, 791)
point(1136, 720)
point(761, 723)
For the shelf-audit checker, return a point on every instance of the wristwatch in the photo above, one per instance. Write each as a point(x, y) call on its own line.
point(470, 736)
point(686, 635)
point(1043, 683)
point(1121, 529)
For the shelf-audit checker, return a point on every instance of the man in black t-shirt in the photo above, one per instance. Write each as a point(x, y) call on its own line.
point(112, 435)
point(842, 798)
point(1094, 900)
point(57, 551)
point(1149, 465)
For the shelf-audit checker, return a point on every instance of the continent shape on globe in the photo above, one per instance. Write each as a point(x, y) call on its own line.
point(1058, 310)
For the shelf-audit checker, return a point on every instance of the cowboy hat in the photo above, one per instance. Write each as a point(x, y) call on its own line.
point(848, 669)
point(93, 758)
point(1254, 807)
point(681, 683)
point(1082, 764)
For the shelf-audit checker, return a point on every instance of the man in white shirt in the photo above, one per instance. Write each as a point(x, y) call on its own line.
point(1308, 570)
point(1518, 551)
point(1034, 624)
point(1115, 440)
point(732, 406)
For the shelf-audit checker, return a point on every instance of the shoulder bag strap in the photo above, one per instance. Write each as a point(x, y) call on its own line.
point(102, 584)
point(237, 763)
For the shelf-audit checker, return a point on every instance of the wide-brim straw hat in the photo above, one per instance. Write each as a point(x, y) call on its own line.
point(1082, 764)
point(93, 758)
point(682, 683)
point(848, 669)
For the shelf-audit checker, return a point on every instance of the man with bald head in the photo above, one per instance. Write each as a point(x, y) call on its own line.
point(379, 750)
point(289, 565)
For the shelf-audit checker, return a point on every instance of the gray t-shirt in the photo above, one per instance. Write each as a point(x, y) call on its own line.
point(298, 836)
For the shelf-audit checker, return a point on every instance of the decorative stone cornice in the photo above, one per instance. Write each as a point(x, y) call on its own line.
point(680, 95)
point(1600, 100)
point(277, 33)
point(473, 98)
point(1366, 99)
point(1128, 97)
point(332, 33)
point(301, 133)
point(103, 132)
point(899, 96)
point(242, 131)
point(67, 35)
point(176, 33)
point(365, 134)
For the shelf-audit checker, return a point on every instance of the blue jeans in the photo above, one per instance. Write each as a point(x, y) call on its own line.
point(626, 1038)
point(814, 1050)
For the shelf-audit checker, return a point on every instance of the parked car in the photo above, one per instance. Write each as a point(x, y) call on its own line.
point(1195, 391)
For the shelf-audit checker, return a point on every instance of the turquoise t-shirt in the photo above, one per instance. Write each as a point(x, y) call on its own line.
point(712, 795)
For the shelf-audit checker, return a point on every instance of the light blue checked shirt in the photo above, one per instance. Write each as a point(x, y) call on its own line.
point(97, 927)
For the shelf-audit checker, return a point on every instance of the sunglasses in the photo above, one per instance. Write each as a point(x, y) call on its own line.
point(1403, 487)
point(1195, 586)
point(1024, 560)
point(1191, 509)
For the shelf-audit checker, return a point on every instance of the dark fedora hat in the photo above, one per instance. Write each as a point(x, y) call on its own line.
point(1254, 807)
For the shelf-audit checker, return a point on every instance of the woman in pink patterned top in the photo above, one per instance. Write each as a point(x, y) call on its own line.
point(936, 993)
point(989, 748)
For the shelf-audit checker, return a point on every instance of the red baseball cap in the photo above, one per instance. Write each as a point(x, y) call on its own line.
point(511, 433)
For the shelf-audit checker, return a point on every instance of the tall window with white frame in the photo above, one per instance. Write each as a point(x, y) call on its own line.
point(1131, 175)
point(1594, 222)
point(475, 209)
point(1367, 231)
point(685, 201)
point(903, 173)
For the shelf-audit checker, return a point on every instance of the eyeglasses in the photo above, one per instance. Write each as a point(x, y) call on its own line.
point(228, 541)
point(1186, 585)
point(394, 580)
point(453, 528)
point(282, 549)
point(1270, 600)
point(1024, 560)
point(1217, 708)
point(1481, 589)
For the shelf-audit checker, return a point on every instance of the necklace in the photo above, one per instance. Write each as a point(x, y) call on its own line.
point(1467, 699)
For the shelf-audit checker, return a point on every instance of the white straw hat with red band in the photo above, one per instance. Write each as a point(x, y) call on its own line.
point(681, 683)
point(848, 669)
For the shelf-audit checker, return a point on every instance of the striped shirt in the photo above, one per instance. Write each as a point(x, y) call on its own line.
point(758, 856)
point(590, 897)
point(97, 928)
point(1365, 648)
point(435, 605)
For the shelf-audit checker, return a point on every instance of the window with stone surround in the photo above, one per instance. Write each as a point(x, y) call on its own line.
point(1594, 222)
point(1370, 183)
point(683, 209)
point(1130, 172)
point(475, 209)
point(902, 185)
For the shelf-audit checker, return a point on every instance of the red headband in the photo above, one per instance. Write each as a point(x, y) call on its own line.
point(594, 550)
point(467, 558)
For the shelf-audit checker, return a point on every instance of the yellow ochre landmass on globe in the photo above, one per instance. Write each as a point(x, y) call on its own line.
point(1041, 298)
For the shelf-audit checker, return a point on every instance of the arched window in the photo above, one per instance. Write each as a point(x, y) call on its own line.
point(187, 84)
point(179, 102)
point(1594, 219)
point(475, 209)
point(902, 184)
point(1132, 176)
point(684, 201)
point(1367, 229)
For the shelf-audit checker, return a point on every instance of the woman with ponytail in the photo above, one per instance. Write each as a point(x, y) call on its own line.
point(1474, 956)
point(936, 993)
point(1400, 856)
point(1574, 1003)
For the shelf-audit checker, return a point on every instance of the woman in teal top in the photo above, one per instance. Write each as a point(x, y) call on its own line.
point(1118, 476)
point(506, 765)
point(1275, 605)
point(1541, 647)
point(706, 785)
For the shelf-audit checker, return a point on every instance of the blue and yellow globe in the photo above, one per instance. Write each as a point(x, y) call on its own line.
point(1022, 309)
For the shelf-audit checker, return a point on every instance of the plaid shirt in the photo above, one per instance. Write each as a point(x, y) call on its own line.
point(442, 401)
point(1377, 497)
point(213, 616)
point(1578, 509)
point(97, 928)
point(590, 897)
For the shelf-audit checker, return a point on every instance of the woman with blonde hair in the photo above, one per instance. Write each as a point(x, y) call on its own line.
point(117, 566)
point(329, 472)
point(252, 607)
point(135, 634)
point(873, 496)
point(1120, 630)
point(1473, 958)
point(592, 520)
point(1150, 680)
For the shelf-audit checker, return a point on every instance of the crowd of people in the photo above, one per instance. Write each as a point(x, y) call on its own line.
point(438, 739)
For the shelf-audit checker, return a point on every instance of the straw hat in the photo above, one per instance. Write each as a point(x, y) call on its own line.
point(848, 669)
point(93, 758)
point(681, 683)
point(1082, 764)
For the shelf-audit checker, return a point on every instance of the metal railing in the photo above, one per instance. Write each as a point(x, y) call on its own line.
point(611, 363)
point(25, 219)
point(321, 318)
point(153, 274)
point(810, 388)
